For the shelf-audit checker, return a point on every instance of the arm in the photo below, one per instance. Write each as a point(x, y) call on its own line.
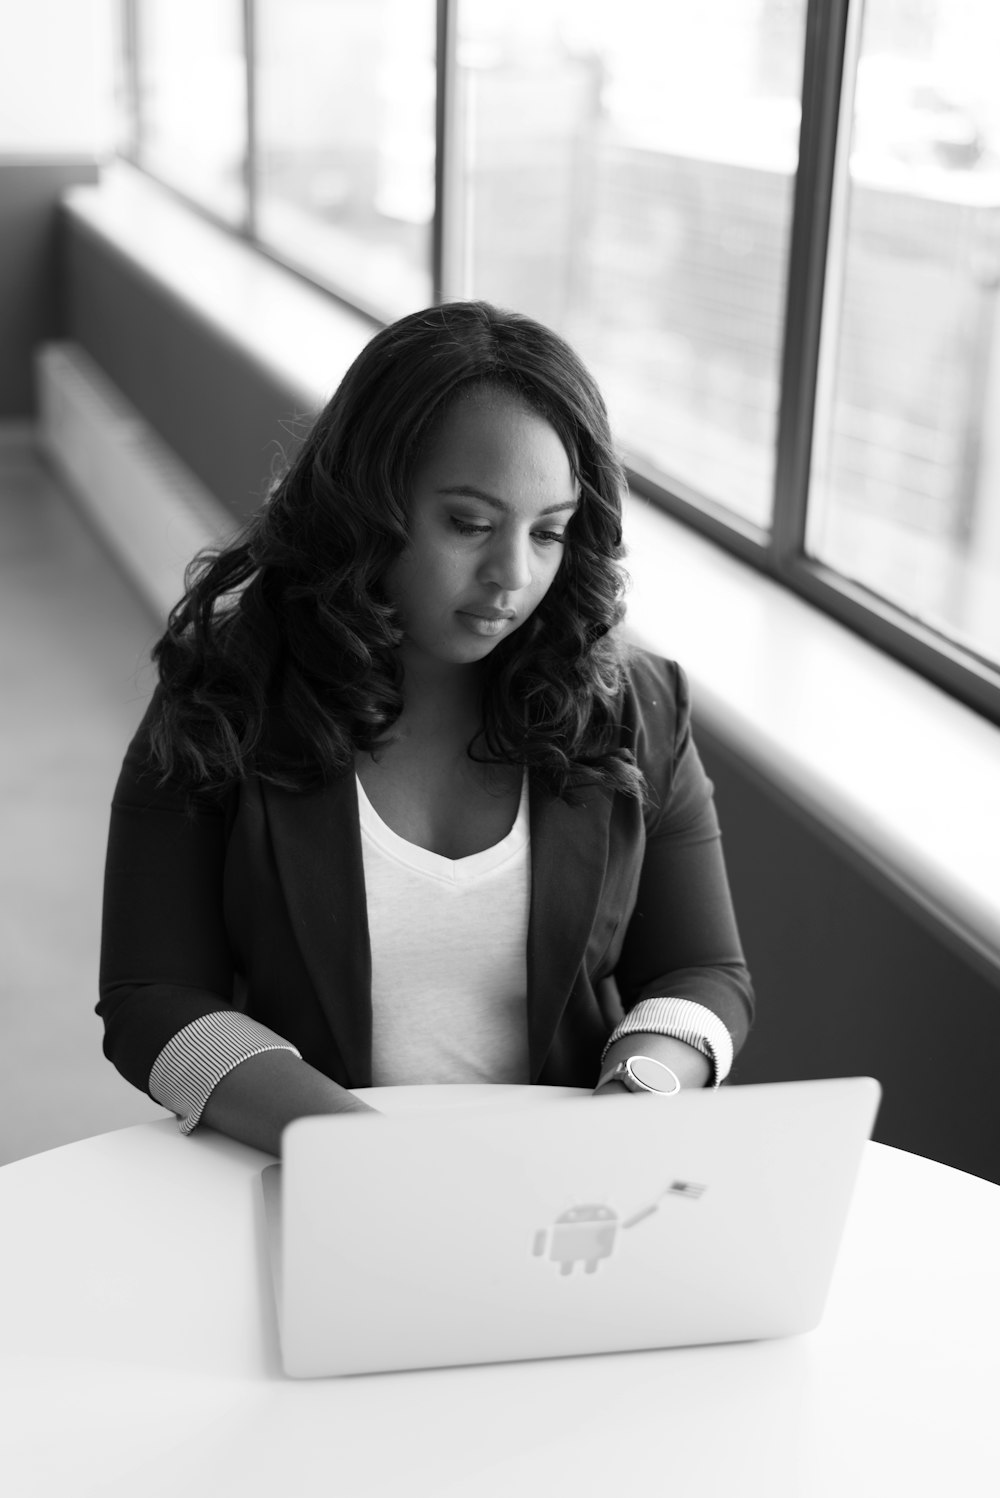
point(681, 970)
point(167, 972)
point(255, 1100)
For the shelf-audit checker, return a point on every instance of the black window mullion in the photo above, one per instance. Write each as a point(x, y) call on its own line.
point(444, 142)
point(250, 158)
point(130, 78)
point(825, 48)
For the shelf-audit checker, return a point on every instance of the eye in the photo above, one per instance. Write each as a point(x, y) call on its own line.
point(549, 538)
point(469, 527)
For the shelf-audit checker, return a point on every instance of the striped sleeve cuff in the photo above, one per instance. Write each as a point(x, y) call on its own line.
point(191, 1064)
point(682, 1019)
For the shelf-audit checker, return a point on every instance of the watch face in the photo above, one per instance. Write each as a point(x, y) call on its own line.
point(654, 1074)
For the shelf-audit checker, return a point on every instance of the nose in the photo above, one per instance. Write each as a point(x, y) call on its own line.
point(507, 563)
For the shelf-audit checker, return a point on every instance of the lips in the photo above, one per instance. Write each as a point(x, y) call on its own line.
point(486, 622)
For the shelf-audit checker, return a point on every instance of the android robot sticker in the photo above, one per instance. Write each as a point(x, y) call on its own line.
point(588, 1233)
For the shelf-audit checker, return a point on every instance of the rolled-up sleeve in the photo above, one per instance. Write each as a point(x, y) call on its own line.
point(194, 1062)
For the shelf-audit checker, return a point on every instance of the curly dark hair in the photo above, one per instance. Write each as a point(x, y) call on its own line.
point(281, 659)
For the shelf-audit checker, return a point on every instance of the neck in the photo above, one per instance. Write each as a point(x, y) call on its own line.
point(440, 698)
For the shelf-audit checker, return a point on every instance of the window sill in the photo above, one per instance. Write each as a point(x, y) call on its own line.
point(298, 333)
point(893, 769)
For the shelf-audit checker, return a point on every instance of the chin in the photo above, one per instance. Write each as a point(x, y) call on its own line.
point(471, 655)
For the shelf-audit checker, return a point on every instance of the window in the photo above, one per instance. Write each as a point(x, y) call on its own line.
point(772, 227)
point(626, 176)
point(344, 162)
point(190, 106)
point(905, 493)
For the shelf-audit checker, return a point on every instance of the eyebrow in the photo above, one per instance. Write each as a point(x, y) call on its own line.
point(470, 491)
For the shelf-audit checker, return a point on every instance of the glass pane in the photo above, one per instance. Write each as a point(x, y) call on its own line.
point(192, 99)
point(626, 176)
point(906, 480)
point(345, 93)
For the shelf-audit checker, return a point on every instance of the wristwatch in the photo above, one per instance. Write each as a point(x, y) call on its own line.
point(643, 1074)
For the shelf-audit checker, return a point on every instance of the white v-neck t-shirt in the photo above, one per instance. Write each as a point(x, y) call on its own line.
point(449, 956)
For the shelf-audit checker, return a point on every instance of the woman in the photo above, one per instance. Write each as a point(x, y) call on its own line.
point(404, 808)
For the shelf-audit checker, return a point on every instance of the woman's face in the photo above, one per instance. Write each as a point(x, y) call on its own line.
point(490, 504)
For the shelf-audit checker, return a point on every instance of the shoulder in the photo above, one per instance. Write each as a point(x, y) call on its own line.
point(142, 784)
point(139, 756)
point(656, 705)
point(656, 727)
point(652, 678)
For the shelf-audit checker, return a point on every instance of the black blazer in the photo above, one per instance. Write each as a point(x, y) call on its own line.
point(255, 901)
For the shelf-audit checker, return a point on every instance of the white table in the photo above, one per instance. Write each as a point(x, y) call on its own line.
point(139, 1354)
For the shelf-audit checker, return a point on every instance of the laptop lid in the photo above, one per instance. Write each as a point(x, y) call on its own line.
point(560, 1223)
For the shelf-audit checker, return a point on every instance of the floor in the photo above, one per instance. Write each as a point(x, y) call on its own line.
point(74, 645)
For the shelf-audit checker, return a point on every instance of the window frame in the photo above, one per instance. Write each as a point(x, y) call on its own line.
point(831, 50)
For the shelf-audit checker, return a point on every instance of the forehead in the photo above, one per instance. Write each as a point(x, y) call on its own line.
point(490, 440)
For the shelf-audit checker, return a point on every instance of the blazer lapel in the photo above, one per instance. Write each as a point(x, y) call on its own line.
point(317, 846)
point(569, 852)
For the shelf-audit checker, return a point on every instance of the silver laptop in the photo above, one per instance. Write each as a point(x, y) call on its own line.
point(545, 1222)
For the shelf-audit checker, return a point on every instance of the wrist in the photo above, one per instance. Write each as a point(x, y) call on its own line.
point(639, 1073)
point(691, 1068)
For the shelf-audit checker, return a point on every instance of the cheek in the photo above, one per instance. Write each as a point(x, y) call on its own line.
point(428, 579)
point(418, 561)
point(549, 571)
point(445, 572)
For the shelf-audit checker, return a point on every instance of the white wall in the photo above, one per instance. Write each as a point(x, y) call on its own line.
point(57, 61)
